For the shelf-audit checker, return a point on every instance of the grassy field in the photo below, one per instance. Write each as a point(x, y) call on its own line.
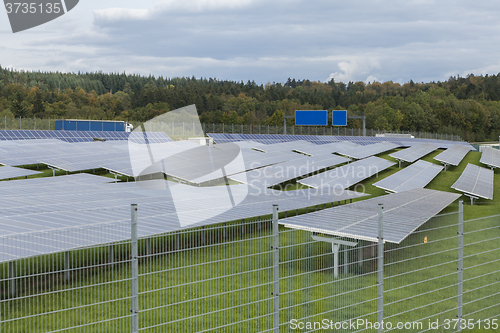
point(195, 285)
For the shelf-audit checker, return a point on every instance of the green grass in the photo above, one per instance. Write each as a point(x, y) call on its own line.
point(223, 281)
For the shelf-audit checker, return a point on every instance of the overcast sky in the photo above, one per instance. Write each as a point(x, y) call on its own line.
point(265, 41)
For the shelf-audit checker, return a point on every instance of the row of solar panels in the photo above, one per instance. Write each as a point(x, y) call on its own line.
point(322, 139)
point(81, 136)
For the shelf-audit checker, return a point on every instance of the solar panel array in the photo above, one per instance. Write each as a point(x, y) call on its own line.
point(322, 139)
point(414, 152)
point(48, 215)
point(475, 181)
point(7, 172)
point(403, 213)
point(328, 148)
point(281, 172)
point(81, 136)
point(453, 155)
point(345, 176)
point(490, 157)
point(368, 150)
point(417, 175)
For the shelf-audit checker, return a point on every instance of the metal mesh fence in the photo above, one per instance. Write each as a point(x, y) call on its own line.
point(253, 276)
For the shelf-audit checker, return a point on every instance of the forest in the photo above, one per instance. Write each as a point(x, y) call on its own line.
point(467, 106)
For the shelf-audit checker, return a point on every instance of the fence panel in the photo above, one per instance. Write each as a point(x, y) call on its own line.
point(217, 278)
point(421, 278)
point(82, 290)
point(481, 299)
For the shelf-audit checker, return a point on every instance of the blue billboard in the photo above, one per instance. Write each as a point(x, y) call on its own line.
point(339, 118)
point(311, 117)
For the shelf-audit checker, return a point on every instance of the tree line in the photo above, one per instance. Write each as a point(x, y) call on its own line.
point(467, 106)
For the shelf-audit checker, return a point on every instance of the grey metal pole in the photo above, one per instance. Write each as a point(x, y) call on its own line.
point(112, 255)
point(380, 261)
point(276, 272)
point(284, 125)
point(12, 279)
point(135, 270)
point(460, 260)
point(364, 126)
point(67, 266)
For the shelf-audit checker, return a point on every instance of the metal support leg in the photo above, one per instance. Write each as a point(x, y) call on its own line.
point(177, 241)
point(202, 235)
point(360, 254)
point(346, 261)
point(148, 246)
point(112, 255)
point(335, 250)
point(12, 279)
point(67, 266)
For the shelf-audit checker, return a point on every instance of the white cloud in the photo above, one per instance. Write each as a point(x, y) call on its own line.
point(354, 69)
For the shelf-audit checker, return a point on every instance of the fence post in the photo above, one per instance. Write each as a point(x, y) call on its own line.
point(135, 270)
point(276, 272)
point(12, 279)
point(460, 260)
point(380, 261)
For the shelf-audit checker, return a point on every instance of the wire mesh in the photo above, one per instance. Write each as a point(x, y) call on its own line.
point(219, 278)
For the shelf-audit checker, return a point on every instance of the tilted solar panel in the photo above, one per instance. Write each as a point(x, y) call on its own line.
point(348, 175)
point(403, 213)
point(453, 155)
point(475, 181)
point(417, 175)
point(490, 157)
point(414, 152)
point(368, 150)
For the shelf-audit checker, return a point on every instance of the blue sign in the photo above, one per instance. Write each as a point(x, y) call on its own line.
point(339, 118)
point(311, 117)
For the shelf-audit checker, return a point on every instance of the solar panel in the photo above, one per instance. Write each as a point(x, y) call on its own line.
point(7, 172)
point(414, 153)
point(490, 157)
point(281, 172)
point(453, 155)
point(327, 148)
point(403, 213)
point(322, 139)
point(80, 136)
point(417, 175)
point(348, 175)
point(368, 150)
point(49, 215)
point(475, 182)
